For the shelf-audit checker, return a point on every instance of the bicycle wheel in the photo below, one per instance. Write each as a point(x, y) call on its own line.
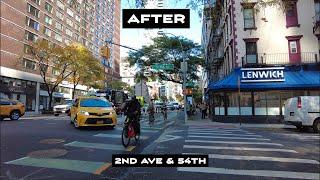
point(124, 137)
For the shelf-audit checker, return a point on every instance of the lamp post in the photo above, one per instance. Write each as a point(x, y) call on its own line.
point(184, 71)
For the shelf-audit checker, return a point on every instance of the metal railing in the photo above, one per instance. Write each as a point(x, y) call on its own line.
point(280, 59)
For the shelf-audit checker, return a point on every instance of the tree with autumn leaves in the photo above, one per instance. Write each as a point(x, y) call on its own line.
point(73, 63)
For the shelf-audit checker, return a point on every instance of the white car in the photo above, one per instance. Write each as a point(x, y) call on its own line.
point(303, 111)
point(63, 108)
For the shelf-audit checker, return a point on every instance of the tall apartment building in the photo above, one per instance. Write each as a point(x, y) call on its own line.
point(61, 22)
point(259, 57)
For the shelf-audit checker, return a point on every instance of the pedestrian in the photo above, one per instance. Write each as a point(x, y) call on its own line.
point(203, 110)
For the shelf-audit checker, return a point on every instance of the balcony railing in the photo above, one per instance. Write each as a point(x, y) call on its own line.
point(280, 59)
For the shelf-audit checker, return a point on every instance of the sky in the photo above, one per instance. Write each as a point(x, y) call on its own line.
point(135, 37)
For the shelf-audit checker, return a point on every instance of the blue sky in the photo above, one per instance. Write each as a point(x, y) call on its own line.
point(135, 37)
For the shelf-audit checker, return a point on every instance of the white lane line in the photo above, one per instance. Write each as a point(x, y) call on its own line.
point(13, 161)
point(263, 158)
point(218, 131)
point(212, 129)
point(232, 142)
point(224, 134)
point(115, 136)
point(238, 148)
point(142, 130)
point(223, 137)
point(263, 173)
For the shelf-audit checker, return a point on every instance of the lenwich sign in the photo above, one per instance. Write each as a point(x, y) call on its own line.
point(274, 74)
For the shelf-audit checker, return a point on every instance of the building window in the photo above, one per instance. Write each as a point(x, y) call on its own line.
point(69, 22)
point(293, 47)
point(248, 17)
point(251, 52)
point(59, 26)
point(69, 12)
point(48, 7)
point(58, 37)
point(67, 41)
point(48, 20)
point(60, 5)
point(30, 36)
point(29, 64)
point(77, 27)
point(69, 32)
point(55, 71)
point(32, 23)
point(84, 23)
point(36, 1)
point(32, 10)
point(77, 18)
point(47, 31)
point(59, 15)
point(27, 49)
point(292, 14)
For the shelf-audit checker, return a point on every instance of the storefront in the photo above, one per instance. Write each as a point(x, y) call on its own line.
point(21, 90)
point(258, 94)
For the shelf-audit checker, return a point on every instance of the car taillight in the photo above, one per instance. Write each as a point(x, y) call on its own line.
point(299, 102)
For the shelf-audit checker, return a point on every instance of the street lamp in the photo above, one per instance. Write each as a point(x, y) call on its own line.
point(184, 71)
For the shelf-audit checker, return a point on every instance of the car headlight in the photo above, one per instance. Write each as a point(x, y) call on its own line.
point(84, 113)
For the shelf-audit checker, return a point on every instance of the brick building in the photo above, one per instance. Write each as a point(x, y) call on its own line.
point(61, 22)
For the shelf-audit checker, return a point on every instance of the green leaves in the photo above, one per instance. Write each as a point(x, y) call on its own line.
point(168, 50)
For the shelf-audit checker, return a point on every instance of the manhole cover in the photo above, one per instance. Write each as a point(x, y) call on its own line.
point(52, 141)
point(50, 153)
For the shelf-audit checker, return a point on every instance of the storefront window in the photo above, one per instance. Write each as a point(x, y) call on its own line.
point(233, 103)
point(273, 103)
point(260, 103)
point(246, 103)
point(218, 104)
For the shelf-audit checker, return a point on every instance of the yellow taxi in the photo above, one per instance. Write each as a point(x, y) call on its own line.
point(11, 109)
point(92, 111)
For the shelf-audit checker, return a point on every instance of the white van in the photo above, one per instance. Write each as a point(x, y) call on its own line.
point(303, 111)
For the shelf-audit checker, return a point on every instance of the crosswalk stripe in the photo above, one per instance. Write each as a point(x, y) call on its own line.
point(232, 142)
point(224, 134)
point(64, 164)
point(208, 130)
point(116, 136)
point(217, 129)
point(238, 148)
point(263, 158)
point(263, 173)
point(100, 146)
point(223, 137)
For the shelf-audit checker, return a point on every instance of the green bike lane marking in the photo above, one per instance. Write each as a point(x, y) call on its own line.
point(100, 146)
point(63, 164)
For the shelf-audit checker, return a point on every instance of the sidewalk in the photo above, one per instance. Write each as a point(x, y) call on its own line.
point(196, 120)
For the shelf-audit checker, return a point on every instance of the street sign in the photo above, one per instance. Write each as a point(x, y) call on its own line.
point(105, 52)
point(157, 66)
point(190, 84)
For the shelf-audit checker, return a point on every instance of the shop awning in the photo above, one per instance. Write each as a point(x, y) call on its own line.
point(294, 78)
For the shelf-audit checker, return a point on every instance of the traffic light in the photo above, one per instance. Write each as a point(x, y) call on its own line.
point(188, 91)
point(105, 52)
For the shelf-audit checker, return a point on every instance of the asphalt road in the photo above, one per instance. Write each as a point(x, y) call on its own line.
point(51, 148)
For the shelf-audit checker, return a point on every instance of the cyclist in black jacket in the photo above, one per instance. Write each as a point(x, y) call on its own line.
point(132, 110)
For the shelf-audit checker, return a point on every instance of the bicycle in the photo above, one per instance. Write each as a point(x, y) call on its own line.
point(129, 132)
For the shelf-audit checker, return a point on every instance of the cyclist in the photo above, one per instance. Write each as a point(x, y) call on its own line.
point(151, 113)
point(164, 111)
point(132, 110)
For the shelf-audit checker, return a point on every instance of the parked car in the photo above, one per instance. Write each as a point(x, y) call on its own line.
point(92, 111)
point(303, 111)
point(158, 105)
point(11, 109)
point(63, 108)
point(170, 106)
point(176, 105)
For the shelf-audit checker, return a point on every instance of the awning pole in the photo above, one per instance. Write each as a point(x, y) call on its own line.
point(239, 99)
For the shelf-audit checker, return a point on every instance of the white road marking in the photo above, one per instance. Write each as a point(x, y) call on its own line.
point(223, 137)
point(214, 129)
point(263, 173)
point(224, 134)
point(263, 158)
point(168, 138)
point(238, 148)
point(211, 131)
point(233, 142)
point(115, 136)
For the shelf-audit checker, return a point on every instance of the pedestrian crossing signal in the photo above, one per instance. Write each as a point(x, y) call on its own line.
point(105, 52)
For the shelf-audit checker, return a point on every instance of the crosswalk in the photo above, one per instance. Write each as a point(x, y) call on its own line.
point(85, 166)
point(237, 152)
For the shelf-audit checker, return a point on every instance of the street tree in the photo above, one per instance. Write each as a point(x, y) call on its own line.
point(119, 85)
point(84, 67)
point(167, 50)
point(48, 55)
